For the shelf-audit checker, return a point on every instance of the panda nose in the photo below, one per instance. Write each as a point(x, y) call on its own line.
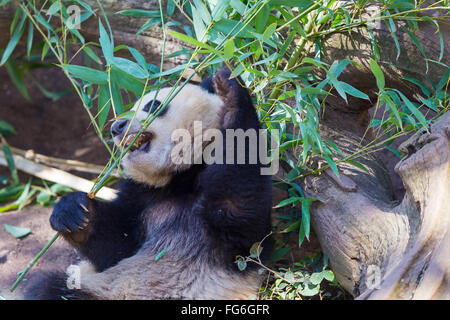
point(118, 126)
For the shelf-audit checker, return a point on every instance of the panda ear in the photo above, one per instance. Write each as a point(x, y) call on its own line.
point(229, 91)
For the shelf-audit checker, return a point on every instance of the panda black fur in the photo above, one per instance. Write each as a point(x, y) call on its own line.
point(202, 216)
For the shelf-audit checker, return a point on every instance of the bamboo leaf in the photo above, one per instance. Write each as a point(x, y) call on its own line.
point(10, 161)
point(17, 34)
point(87, 74)
point(105, 43)
point(129, 67)
point(379, 76)
point(413, 109)
point(17, 232)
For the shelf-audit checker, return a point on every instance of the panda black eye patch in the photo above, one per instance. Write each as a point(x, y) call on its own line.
point(154, 106)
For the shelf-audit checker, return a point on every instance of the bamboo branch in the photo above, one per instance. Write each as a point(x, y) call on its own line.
point(58, 176)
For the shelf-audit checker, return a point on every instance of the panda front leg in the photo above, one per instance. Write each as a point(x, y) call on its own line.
point(103, 232)
point(71, 217)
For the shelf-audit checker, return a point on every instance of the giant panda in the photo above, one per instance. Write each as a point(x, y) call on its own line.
point(174, 231)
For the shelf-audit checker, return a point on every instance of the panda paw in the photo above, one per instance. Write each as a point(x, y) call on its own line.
point(70, 214)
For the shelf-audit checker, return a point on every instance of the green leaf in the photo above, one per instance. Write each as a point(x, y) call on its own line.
point(59, 188)
point(10, 161)
point(292, 226)
point(418, 44)
point(270, 30)
point(229, 49)
point(306, 223)
point(140, 13)
point(413, 109)
point(30, 37)
point(293, 3)
point(6, 129)
point(17, 232)
point(25, 196)
point(261, 19)
point(104, 105)
point(353, 91)
point(10, 192)
point(332, 164)
point(160, 254)
point(199, 26)
point(105, 43)
point(43, 197)
point(17, 77)
point(126, 81)
point(17, 34)
point(379, 76)
point(87, 74)
point(233, 28)
point(170, 9)
point(91, 54)
point(220, 9)
point(238, 6)
point(116, 97)
point(358, 165)
point(204, 13)
point(148, 24)
point(255, 250)
point(54, 8)
point(392, 106)
point(329, 275)
point(42, 21)
point(395, 151)
point(444, 80)
point(192, 41)
point(422, 87)
point(139, 58)
point(309, 290)
point(242, 264)
point(338, 86)
point(316, 278)
point(291, 200)
point(129, 67)
point(312, 91)
point(279, 253)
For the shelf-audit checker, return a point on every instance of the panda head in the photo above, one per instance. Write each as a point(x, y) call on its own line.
point(149, 160)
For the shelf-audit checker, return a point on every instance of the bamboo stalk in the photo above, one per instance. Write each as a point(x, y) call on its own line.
point(63, 164)
point(58, 176)
point(32, 262)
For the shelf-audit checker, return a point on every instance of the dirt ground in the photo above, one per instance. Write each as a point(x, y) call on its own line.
point(16, 253)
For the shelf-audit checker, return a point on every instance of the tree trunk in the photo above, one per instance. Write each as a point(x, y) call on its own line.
point(380, 250)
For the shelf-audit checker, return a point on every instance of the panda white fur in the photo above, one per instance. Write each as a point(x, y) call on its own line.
point(200, 216)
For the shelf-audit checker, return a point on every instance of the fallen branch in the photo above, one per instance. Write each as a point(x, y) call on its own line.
point(58, 176)
point(59, 163)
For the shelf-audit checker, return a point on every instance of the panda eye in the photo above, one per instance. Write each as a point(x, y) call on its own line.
point(153, 104)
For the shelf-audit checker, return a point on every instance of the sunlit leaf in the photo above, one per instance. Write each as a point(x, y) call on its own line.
point(17, 232)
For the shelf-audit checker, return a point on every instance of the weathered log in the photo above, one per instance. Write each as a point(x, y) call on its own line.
point(379, 249)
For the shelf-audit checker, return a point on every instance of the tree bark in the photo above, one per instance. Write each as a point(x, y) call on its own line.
point(380, 250)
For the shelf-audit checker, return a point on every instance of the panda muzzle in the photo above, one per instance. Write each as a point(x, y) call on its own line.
point(142, 143)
